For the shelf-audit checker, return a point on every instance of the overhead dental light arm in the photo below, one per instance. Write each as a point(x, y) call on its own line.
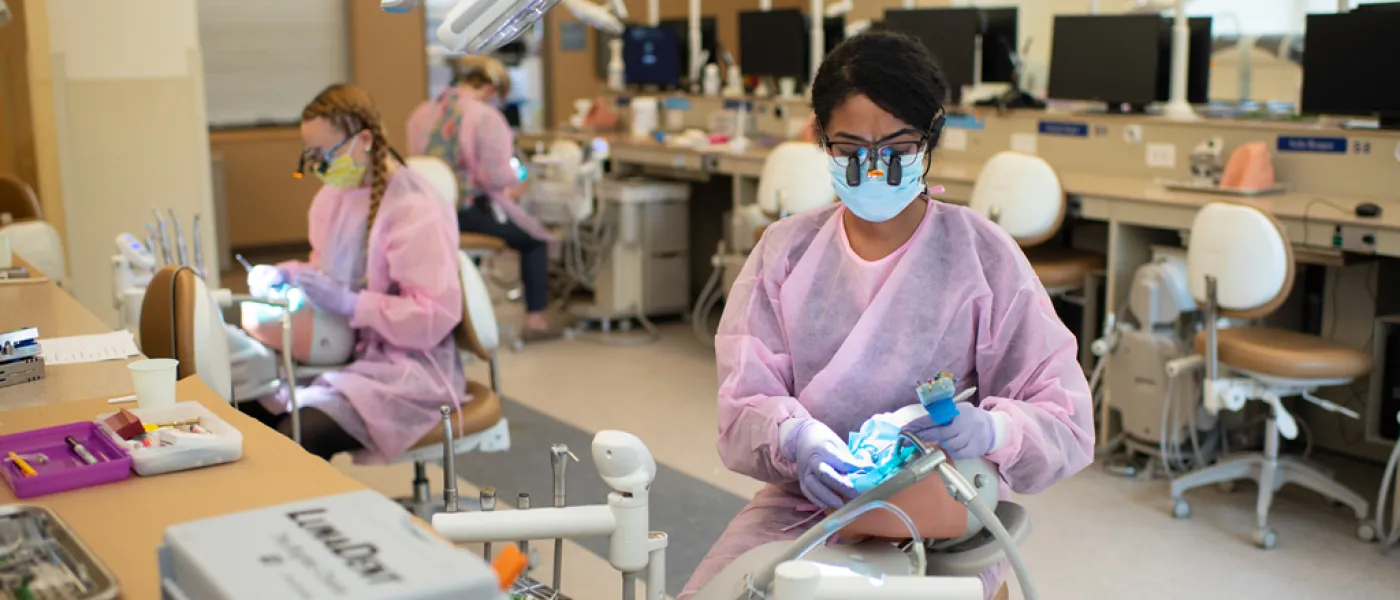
point(1177, 107)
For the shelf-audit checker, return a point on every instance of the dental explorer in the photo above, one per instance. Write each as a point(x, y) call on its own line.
point(557, 453)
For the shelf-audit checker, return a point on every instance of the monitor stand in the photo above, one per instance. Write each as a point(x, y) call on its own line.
point(1126, 108)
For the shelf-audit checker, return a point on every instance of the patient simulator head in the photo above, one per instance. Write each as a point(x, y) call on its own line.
point(319, 338)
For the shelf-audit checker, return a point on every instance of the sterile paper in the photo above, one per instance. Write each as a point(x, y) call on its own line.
point(77, 349)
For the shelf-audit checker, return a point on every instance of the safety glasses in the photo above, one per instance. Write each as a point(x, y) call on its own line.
point(318, 160)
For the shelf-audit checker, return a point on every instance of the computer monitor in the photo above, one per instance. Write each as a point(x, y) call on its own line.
point(1349, 61)
point(1107, 58)
point(1201, 46)
point(999, 44)
point(709, 39)
point(651, 56)
point(774, 43)
point(1377, 6)
point(834, 29)
point(950, 34)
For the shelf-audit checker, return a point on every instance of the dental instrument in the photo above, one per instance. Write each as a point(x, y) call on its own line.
point(180, 253)
point(449, 463)
point(247, 266)
point(198, 247)
point(557, 453)
point(153, 243)
point(167, 252)
point(487, 499)
point(522, 502)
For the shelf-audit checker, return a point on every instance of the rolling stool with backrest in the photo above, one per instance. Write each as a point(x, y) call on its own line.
point(437, 172)
point(1241, 266)
point(1022, 194)
point(18, 202)
point(22, 221)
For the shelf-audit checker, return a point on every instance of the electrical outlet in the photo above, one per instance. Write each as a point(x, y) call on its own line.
point(1132, 134)
point(1161, 156)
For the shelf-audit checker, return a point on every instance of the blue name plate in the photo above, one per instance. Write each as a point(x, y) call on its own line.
point(1064, 128)
point(624, 101)
point(1321, 145)
point(677, 103)
point(735, 104)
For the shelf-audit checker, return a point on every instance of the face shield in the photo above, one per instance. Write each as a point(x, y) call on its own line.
point(483, 26)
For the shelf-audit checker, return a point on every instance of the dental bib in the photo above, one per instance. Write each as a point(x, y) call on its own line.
point(319, 338)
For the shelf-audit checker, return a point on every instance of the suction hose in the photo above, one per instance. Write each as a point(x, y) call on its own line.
point(709, 297)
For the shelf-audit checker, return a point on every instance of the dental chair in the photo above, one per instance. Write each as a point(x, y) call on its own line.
point(794, 180)
point(1022, 194)
point(444, 180)
point(181, 320)
point(18, 201)
point(1240, 267)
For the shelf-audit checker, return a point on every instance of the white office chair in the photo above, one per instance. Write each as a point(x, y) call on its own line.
point(39, 243)
point(1241, 266)
point(1022, 194)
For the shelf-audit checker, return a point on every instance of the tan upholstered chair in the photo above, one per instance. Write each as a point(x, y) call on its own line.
point(1240, 266)
point(180, 320)
point(18, 202)
point(1022, 194)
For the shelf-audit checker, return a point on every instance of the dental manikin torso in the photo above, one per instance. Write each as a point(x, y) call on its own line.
point(840, 312)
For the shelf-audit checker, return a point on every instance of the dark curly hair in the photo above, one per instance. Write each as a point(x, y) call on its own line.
point(894, 70)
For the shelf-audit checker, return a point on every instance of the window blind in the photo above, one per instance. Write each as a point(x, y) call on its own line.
point(265, 59)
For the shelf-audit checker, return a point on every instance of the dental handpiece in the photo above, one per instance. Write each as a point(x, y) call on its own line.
point(180, 252)
point(558, 454)
point(488, 504)
point(247, 266)
point(153, 242)
point(163, 238)
point(449, 463)
point(198, 248)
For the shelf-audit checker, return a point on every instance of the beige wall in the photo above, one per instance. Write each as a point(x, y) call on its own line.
point(41, 110)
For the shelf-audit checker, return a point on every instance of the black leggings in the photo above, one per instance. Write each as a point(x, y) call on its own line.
point(320, 435)
point(534, 254)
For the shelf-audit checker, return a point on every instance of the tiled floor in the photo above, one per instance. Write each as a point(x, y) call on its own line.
point(1095, 536)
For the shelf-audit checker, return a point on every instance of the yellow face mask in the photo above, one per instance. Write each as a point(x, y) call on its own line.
point(342, 172)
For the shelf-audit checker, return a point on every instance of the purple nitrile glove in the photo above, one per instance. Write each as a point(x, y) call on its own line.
point(262, 278)
point(326, 293)
point(971, 434)
point(823, 463)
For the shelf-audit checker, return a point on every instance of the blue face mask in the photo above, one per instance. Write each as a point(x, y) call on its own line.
point(875, 200)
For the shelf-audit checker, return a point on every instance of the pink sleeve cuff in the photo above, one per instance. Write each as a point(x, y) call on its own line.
point(365, 304)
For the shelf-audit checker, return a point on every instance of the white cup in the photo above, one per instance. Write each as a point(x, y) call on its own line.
point(787, 87)
point(154, 380)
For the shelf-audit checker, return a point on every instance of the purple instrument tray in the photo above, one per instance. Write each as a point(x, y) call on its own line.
point(63, 470)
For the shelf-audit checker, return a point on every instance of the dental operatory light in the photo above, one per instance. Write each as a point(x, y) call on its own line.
point(480, 26)
point(608, 19)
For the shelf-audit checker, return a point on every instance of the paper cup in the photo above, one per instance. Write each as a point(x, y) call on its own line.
point(154, 380)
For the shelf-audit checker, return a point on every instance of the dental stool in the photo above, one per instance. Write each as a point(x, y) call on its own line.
point(444, 180)
point(1240, 266)
point(1022, 194)
point(181, 320)
point(39, 243)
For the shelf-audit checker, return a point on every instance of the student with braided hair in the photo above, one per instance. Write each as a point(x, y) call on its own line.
point(384, 255)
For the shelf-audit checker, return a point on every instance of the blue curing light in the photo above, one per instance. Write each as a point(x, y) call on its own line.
point(937, 397)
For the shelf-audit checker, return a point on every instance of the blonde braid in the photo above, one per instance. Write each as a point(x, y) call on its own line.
point(351, 110)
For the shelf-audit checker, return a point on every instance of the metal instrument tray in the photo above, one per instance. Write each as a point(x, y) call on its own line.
point(38, 549)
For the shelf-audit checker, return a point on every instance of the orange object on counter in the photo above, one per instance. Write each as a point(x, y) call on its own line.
point(509, 565)
point(1250, 168)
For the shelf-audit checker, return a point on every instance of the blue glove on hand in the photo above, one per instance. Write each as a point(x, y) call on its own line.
point(972, 433)
point(326, 293)
point(823, 464)
point(262, 278)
